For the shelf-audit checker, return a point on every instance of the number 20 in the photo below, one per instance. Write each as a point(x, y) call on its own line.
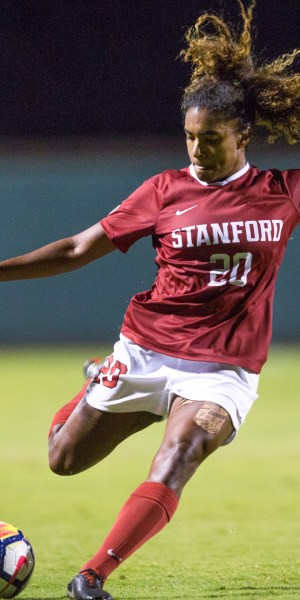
point(237, 276)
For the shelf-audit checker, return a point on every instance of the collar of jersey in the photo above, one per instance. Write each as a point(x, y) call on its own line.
point(224, 181)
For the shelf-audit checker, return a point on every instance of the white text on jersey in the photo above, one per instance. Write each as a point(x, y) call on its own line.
point(212, 234)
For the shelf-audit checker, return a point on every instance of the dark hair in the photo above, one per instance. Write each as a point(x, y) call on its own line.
point(229, 99)
point(226, 80)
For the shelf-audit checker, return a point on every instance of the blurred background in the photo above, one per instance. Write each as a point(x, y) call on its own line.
point(89, 108)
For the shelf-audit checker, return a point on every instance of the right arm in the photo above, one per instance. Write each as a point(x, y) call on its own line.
point(59, 257)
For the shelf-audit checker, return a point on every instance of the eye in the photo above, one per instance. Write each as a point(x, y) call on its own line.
point(212, 140)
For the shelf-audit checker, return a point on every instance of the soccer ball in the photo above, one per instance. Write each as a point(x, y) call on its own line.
point(16, 561)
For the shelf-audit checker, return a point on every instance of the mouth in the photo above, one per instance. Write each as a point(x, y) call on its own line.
point(202, 167)
point(205, 172)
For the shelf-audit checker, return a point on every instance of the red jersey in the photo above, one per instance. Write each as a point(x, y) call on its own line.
point(219, 247)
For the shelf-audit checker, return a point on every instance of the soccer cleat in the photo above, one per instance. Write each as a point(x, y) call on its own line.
point(91, 368)
point(87, 585)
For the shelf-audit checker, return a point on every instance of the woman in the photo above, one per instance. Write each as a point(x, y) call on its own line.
point(192, 347)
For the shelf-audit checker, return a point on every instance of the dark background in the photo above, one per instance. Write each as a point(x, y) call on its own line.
point(89, 108)
point(108, 66)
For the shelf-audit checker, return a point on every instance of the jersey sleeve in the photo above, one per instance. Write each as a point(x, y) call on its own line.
point(135, 217)
point(291, 181)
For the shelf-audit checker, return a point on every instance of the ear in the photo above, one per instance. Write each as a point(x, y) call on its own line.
point(244, 137)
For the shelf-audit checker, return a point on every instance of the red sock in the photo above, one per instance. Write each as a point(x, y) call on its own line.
point(65, 411)
point(145, 513)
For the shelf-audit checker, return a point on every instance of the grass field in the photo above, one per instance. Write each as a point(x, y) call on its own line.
point(236, 533)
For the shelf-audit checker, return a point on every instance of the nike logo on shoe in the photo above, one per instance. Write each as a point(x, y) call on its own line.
point(180, 212)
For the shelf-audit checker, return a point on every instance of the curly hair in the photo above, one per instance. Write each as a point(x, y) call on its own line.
point(226, 78)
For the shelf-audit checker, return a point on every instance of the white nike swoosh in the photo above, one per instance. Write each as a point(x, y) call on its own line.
point(180, 212)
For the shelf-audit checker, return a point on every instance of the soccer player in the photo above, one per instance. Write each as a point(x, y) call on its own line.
point(191, 348)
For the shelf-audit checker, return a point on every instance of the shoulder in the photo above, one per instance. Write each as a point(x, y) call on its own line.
point(287, 181)
point(290, 180)
point(271, 181)
point(284, 184)
point(170, 177)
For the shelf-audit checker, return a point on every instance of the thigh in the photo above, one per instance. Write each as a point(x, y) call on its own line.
point(89, 435)
point(194, 430)
point(131, 379)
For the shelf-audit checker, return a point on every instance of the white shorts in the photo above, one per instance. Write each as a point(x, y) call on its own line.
point(135, 379)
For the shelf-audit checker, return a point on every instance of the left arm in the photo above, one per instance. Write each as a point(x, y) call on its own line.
point(59, 257)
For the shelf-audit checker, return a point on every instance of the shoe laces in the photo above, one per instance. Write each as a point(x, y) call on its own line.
point(91, 577)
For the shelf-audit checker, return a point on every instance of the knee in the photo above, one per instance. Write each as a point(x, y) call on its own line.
point(210, 443)
point(176, 462)
point(60, 458)
point(181, 456)
point(193, 452)
point(61, 465)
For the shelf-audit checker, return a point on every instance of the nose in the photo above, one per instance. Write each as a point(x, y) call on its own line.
point(197, 148)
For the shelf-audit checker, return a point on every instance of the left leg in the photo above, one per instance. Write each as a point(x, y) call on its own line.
point(194, 430)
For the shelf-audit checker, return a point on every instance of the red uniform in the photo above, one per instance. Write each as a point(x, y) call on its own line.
point(219, 247)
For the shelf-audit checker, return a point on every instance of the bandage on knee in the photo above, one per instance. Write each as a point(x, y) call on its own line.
point(211, 417)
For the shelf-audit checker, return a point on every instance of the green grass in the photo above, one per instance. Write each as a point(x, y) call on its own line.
point(236, 532)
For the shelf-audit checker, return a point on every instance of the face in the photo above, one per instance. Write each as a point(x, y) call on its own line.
point(215, 147)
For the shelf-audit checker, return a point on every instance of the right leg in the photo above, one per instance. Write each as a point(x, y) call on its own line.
point(89, 435)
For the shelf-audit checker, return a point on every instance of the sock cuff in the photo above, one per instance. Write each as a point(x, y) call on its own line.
point(160, 493)
point(62, 415)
